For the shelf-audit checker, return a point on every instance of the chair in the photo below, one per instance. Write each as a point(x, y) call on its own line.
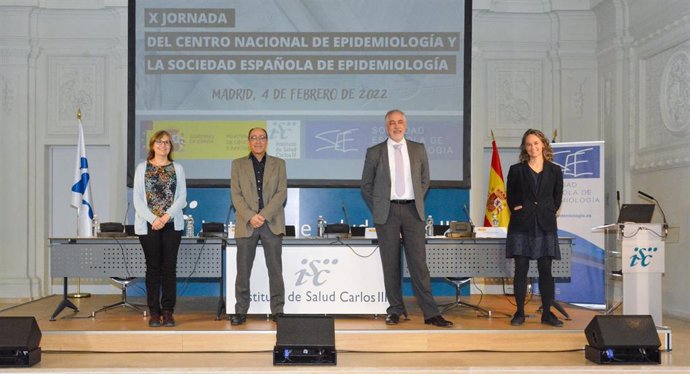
point(458, 283)
point(123, 282)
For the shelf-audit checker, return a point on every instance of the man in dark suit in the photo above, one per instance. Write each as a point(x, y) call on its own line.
point(259, 189)
point(394, 181)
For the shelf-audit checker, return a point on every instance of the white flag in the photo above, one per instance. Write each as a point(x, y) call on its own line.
point(81, 190)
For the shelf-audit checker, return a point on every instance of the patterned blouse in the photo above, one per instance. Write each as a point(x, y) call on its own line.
point(160, 182)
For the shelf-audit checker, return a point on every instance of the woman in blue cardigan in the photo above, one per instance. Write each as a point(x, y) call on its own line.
point(159, 195)
point(535, 190)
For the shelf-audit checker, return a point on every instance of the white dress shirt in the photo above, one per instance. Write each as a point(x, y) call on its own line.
point(409, 191)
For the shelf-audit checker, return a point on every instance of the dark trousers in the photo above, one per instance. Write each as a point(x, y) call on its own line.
point(546, 282)
point(160, 250)
point(404, 219)
point(273, 254)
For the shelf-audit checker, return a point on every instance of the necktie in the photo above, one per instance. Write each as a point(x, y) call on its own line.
point(399, 173)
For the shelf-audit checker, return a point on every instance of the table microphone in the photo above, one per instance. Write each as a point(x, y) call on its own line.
point(467, 213)
point(129, 229)
point(347, 220)
point(650, 197)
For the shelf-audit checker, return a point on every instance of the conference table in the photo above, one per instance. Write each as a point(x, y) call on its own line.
point(322, 276)
point(123, 257)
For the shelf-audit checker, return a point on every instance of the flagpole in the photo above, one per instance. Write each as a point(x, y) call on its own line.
point(78, 294)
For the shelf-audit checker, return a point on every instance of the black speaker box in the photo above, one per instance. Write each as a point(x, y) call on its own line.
point(358, 230)
point(305, 340)
point(337, 230)
point(213, 229)
point(622, 339)
point(440, 230)
point(19, 340)
point(108, 227)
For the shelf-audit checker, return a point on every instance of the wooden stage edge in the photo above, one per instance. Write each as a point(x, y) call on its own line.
point(125, 330)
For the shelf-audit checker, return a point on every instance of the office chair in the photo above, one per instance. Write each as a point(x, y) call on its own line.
point(458, 283)
point(123, 282)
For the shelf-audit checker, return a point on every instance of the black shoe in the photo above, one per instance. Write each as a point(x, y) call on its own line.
point(392, 319)
point(168, 320)
point(238, 319)
point(548, 318)
point(438, 321)
point(155, 320)
point(518, 319)
point(274, 317)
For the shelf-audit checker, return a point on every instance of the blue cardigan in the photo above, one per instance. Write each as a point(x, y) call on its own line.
point(141, 207)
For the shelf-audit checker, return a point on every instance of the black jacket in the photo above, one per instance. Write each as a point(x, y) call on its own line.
point(540, 207)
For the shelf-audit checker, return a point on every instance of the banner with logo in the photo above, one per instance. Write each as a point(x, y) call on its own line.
point(319, 279)
point(581, 210)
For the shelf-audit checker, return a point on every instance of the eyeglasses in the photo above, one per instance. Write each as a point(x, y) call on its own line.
point(255, 138)
point(162, 142)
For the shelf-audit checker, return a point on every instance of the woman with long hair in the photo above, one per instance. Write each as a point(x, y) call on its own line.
point(535, 191)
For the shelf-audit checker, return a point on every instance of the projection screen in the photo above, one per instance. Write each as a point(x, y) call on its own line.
point(318, 75)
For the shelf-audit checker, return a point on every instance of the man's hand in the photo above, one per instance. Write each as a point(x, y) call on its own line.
point(257, 221)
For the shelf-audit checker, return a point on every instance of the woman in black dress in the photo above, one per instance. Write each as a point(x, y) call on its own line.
point(535, 190)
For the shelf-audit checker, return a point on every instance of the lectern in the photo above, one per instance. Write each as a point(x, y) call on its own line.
point(641, 245)
point(642, 259)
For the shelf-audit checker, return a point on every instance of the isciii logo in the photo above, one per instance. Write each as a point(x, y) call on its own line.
point(314, 271)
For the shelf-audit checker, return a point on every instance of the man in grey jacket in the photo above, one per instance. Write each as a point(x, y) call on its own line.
point(394, 181)
point(258, 185)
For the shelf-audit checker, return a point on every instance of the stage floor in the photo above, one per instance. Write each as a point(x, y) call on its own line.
point(125, 330)
point(121, 341)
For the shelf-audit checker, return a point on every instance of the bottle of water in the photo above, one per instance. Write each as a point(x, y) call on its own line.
point(190, 227)
point(96, 226)
point(429, 226)
point(321, 227)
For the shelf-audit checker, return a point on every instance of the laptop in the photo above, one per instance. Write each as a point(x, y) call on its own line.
point(637, 213)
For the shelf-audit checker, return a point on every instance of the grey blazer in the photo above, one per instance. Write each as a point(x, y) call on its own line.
point(376, 179)
point(246, 200)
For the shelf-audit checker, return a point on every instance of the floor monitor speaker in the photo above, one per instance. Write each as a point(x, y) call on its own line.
point(622, 339)
point(19, 340)
point(305, 340)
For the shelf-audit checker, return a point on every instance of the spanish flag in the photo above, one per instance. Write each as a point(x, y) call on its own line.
point(497, 212)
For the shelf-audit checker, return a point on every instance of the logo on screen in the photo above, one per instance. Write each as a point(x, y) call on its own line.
point(314, 271)
point(578, 162)
point(337, 140)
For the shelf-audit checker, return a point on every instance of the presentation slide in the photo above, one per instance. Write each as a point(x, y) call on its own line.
point(318, 75)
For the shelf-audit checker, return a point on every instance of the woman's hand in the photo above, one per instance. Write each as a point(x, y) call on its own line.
point(165, 218)
point(158, 223)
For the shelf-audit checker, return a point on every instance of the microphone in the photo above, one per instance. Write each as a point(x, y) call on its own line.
point(230, 209)
point(467, 213)
point(215, 229)
point(618, 200)
point(347, 220)
point(650, 197)
point(124, 221)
